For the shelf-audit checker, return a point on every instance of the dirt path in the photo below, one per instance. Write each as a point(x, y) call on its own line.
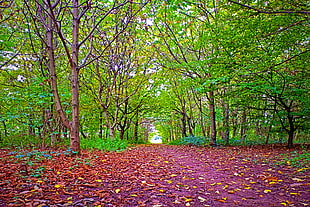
point(233, 177)
point(154, 175)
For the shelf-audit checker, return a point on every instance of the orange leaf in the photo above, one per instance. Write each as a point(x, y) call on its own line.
point(220, 200)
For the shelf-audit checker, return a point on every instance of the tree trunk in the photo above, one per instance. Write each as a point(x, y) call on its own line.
point(52, 71)
point(243, 127)
point(136, 129)
point(291, 130)
point(212, 117)
point(74, 129)
point(190, 128)
point(183, 120)
point(225, 122)
point(101, 124)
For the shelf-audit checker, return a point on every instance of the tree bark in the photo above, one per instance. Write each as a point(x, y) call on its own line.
point(74, 129)
point(52, 70)
point(243, 127)
point(183, 120)
point(226, 122)
point(212, 117)
point(291, 130)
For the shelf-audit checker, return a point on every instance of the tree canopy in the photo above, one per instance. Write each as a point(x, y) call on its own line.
point(227, 71)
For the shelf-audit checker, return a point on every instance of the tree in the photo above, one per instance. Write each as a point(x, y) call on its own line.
point(278, 59)
point(79, 49)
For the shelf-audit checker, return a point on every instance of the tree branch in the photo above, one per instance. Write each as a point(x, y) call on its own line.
point(270, 12)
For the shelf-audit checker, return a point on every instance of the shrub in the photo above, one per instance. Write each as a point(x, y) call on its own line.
point(197, 141)
point(104, 144)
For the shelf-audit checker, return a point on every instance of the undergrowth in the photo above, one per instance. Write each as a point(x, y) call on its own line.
point(197, 141)
point(104, 144)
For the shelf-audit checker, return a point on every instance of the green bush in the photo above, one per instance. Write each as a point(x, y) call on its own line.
point(175, 142)
point(197, 141)
point(104, 144)
point(139, 141)
point(20, 141)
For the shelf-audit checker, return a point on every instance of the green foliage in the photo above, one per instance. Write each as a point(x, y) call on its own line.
point(250, 140)
point(256, 63)
point(139, 141)
point(19, 141)
point(175, 142)
point(104, 144)
point(36, 155)
point(197, 141)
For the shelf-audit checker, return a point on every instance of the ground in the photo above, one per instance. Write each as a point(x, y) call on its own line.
point(157, 175)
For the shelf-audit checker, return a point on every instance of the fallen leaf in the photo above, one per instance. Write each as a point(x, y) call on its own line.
point(302, 169)
point(297, 179)
point(295, 184)
point(117, 190)
point(187, 199)
point(220, 200)
point(201, 199)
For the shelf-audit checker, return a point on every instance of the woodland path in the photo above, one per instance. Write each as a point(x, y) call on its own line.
point(155, 176)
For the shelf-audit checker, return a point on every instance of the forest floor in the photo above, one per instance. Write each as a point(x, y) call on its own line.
point(157, 175)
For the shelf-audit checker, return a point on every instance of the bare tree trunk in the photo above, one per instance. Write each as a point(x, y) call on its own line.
point(74, 129)
point(243, 127)
point(101, 124)
point(291, 131)
point(136, 129)
point(183, 120)
point(226, 122)
point(52, 71)
point(212, 116)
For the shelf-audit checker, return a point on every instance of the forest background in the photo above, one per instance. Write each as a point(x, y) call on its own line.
point(218, 72)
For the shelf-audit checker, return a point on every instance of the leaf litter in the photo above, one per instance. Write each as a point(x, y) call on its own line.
point(155, 175)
